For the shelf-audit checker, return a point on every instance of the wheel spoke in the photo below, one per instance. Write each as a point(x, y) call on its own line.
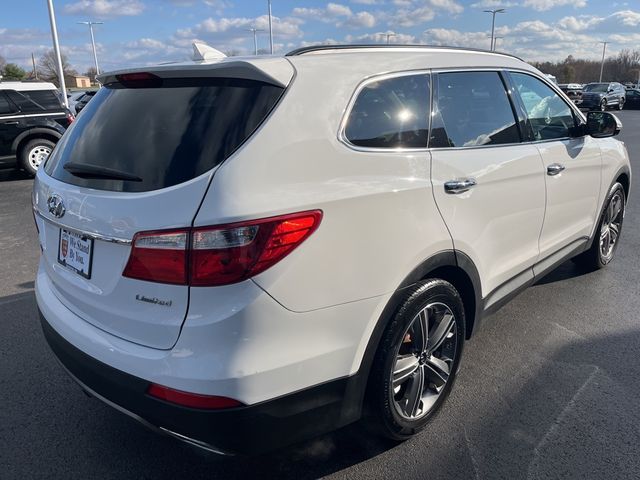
point(421, 331)
point(413, 394)
point(437, 371)
point(440, 332)
point(405, 366)
point(616, 208)
point(614, 230)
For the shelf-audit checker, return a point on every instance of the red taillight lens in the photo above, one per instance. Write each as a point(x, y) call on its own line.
point(70, 118)
point(193, 400)
point(218, 255)
point(159, 257)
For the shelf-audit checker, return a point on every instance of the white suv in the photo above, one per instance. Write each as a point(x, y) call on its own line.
point(247, 252)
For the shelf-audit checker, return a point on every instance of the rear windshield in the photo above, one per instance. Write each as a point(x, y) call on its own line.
point(596, 87)
point(164, 134)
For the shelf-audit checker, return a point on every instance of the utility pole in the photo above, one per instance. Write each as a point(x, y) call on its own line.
point(56, 50)
point(255, 37)
point(35, 70)
point(93, 42)
point(493, 24)
point(604, 49)
point(270, 29)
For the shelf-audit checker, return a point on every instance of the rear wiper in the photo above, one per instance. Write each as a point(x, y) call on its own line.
point(84, 170)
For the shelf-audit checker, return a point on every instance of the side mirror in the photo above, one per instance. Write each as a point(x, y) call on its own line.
point(603, 124)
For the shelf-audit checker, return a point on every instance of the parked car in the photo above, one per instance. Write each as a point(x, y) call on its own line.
point(32, 120)
point(633, 99)
point(573, 91)
point(239, 288)
point(73, 97)
point(83, 100)
point(603, 95)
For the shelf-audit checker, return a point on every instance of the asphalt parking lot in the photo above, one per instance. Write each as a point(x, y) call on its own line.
point(548, 389)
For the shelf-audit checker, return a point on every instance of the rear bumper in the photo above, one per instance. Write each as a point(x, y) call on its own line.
point(245, 430)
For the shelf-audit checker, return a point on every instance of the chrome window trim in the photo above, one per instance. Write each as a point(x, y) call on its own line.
point(342, 138)
point(28, 115)
point(94, 236)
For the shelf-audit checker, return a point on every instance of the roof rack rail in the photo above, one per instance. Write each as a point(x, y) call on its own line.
point(318, 48)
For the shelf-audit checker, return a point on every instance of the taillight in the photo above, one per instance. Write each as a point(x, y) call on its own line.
point(70, 118)
point(139, 80)
point(218, 255)
point(193, 400)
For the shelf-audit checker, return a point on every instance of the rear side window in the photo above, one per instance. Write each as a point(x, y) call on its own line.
point(5, 105)
point(391, 113)
point(164, 134)
point(472, 109)
point(549, 115)
point(31, 101)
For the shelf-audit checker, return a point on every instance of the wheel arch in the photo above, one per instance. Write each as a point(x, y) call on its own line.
point(454, 267)
point(31, 134)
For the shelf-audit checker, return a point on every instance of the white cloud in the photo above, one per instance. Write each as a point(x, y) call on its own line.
point(361, 20)
point(493, 4)
point(105, 8)
point(543, 5)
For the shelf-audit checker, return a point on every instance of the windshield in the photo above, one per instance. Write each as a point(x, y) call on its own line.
point(597, 87)
point(164, 134)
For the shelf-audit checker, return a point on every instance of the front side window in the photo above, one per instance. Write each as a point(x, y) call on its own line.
point(549, 115)
point(473, 109)
point(391, 113)
point(5, 105)
point(33, 101)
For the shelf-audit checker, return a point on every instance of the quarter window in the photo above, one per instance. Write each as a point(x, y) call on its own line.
point(5, 106)
point(472, 109)
point(391, 113)
point(549, 115)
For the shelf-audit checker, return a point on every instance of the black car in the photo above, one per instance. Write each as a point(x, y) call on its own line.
point(633, 99)
point(83, 100)
point(601, 96)
point(32, 120)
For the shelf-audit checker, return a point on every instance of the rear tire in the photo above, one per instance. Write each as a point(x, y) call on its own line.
point(608, 231)
point(621, 104)
point(412, 373)
point(34, 153)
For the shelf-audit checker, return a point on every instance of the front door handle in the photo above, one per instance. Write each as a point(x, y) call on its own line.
point(555, 169)
point(11, 123)
point(459, 186)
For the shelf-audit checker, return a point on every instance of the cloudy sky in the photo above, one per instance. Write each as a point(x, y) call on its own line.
point(150, 31)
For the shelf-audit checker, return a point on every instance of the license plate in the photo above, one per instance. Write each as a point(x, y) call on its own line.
point(75, 252)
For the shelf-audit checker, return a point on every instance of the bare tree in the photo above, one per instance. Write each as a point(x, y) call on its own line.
point(91, 73)
point(3, 62)
point(48, 67)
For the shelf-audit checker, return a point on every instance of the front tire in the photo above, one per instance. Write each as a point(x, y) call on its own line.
point(603, 105)
point(34, 154)
point(416, 363)
point(621, 104)
point(607, 234)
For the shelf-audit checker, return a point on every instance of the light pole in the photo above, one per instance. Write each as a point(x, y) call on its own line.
point(493, 24)
point(388, 35)
point(56, 50)
point(93, 42)
point(270, 29)
point(255, 37)
point(604, 49)
point(495, 41)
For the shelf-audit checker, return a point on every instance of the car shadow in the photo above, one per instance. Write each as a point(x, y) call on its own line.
point(565, 271)
point(10, 174)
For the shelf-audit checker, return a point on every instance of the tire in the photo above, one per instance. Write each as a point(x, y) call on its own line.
point(608, 231)
point(621, 104)
point(603, 105)
point(397, 412)
point(34, 153)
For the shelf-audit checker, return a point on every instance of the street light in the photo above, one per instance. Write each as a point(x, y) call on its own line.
point(388, 35)
point(495, 40)
point(56, 50)
point(255, 37)
point(93, 42)
point(604, 49)
point(493, 24)
point(270, 29)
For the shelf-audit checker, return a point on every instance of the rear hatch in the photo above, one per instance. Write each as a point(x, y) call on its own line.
point(140, 158)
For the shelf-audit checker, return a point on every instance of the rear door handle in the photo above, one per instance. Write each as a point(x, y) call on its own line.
point(459, 186)
point(555, 169)
point(11, 123)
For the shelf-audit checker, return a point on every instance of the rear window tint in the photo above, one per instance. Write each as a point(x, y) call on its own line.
point(36, 100)
point(165, 134)
point(391, 113)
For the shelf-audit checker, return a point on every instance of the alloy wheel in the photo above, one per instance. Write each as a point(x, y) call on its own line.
point(610, 228)
point(424, 360)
